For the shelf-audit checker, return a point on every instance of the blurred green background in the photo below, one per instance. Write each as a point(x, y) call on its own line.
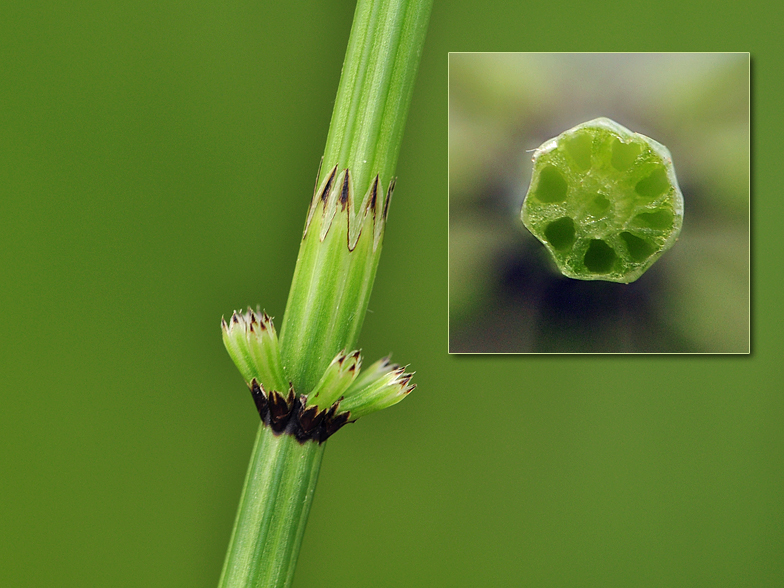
point(156, 162)
point(505, 292)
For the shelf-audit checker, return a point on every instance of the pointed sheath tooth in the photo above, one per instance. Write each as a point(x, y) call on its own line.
point(344, 191)
point(320, 197)
point(331, 203)
point(310, 418)
point(259, 399)
point(362, 219)
point(335, 423)
point(276, 401)
point(373, 197)
point(389, 197)
point(330, 412)
point(279, 409)
point(257, 389)
point(403, 381)
point(353, 364)
point(325, 191)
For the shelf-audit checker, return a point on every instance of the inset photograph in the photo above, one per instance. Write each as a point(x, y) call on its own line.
point(599, 203)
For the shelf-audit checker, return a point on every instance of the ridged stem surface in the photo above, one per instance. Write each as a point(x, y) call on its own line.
point(332, 280)
point(331, 286)
point(273, 511)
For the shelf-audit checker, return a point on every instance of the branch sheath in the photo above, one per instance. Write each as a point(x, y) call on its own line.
point(332, 281)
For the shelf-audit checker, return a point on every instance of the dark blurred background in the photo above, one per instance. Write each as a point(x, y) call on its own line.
point(505, 293)
point(156, 164)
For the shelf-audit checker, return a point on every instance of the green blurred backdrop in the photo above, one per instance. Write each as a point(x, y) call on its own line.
point(505, 293)
point(156, 161)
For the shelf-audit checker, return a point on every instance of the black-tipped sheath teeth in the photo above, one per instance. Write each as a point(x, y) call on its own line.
point(288, 415)
point(356, 207)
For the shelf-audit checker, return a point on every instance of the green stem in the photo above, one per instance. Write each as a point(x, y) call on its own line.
point(273, 511)
point(331, 287)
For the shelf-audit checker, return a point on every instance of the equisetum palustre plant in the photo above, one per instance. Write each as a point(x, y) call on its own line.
point(310, 381)
point(604, 201)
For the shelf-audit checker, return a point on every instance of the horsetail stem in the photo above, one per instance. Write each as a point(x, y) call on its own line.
point(301, 381)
